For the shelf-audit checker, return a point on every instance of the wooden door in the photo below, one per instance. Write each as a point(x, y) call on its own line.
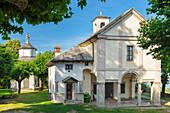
point(69, 91)
point(108, 90)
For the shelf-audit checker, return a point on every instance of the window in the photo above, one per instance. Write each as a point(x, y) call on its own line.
point(56, 86)
point(69, 66)
point(102, 24)
point(86, 64)
point(122, 88)
point(129, 53)
point(94, 88)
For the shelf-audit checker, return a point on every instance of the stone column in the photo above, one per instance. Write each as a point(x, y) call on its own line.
point(139, 93)
point(33, 82)
point(133, 88)
point(76, 90)
point(80, 87)
point(155, 94)
point(118, 94)
point(101, 94)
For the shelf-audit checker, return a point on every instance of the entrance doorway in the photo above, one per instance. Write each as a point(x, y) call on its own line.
point(69, 91)
point(108, 90)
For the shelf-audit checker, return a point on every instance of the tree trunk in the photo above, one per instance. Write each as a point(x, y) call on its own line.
point(42, 84)
point(164, 82)
point(19, 87)
point(163, 88)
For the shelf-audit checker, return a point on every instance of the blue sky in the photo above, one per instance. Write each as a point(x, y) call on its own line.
point(72, 31)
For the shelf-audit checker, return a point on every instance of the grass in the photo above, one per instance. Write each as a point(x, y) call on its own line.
point(4, 92)
point(38, 102)
point(148, 95)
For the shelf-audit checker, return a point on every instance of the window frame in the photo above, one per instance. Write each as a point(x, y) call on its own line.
point(122, 90)
point(130, 52)
point(56, 86)
point(67, 66)
point(86, 64)
point(95, 91)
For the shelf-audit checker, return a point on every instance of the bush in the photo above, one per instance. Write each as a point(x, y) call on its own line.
point(87, 97)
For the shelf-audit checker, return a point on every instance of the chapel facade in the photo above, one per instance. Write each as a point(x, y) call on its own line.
point(107, 65)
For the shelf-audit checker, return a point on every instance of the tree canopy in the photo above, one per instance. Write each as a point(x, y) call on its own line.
point(6, 61)
point(14, 45)
point(20, 71)
point(14, 12)
point(41, 71)
point(155, 32)
point(154, 35)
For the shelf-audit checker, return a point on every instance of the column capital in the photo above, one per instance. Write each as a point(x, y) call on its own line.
point(139, 82)
point(156, 82)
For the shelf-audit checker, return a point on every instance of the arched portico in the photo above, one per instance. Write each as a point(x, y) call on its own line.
point(126, 86)
point(89, 82)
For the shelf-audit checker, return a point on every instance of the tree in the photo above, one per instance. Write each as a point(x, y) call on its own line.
point(14, 45)
point(41, 71)
point(20, 71)
point(154, 34)
point(6, 64)
point(14, 12)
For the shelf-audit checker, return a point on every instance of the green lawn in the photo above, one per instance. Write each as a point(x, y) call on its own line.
point(4, 92)
point(38, 102)
point(148, 95)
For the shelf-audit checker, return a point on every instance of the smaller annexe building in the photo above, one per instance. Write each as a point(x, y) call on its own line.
point(67, 68)
point(26, 53)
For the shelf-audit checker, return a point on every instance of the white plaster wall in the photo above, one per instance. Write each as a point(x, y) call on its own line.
point(149, 62)
point(112, 54)
point(21, 52)
point(61, 73)
point(97, 22)
point(115, 90)
point(151, 75)
point(135, 62)
point(130, 26)
point(27, 52)
point(127, 86)
point(113, 31)
point(114, 75)
point(89, 48)
point(52, 79)
point(94, 66)
point(86, 81)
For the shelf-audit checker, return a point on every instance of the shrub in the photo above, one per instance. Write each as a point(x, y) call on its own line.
point(87, 97)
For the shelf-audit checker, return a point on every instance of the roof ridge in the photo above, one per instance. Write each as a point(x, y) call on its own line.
point(112, 22)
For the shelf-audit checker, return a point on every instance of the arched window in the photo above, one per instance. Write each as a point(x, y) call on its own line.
point(102, 24)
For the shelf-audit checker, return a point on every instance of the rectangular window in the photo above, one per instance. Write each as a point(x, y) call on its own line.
point(69, 66)
point(56, 86)
point(94, 88)
point(86, 64)
point(129, 53)
point(122, 88)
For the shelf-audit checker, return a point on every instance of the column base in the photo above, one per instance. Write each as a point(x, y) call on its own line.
point(139, 104)
point(157, 104)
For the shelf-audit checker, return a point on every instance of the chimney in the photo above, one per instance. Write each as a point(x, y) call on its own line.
point(57, 50)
